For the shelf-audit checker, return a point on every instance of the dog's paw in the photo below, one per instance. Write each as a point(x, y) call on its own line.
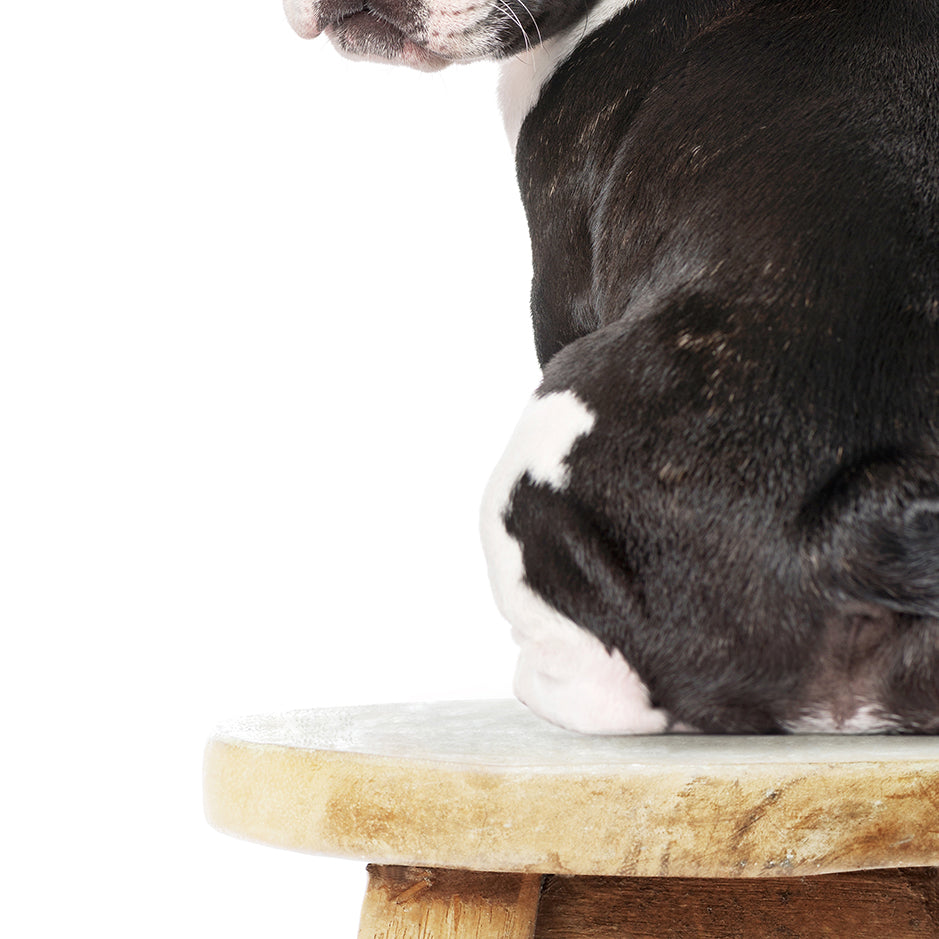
point(568, 677)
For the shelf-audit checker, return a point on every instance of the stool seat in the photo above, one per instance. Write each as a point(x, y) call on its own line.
point(487, 786)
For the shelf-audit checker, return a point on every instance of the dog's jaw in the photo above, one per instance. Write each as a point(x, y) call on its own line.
point(406, 32)
point(430, 34)
point(364, 36)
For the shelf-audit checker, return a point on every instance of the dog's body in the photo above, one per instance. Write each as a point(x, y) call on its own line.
point(721, 510)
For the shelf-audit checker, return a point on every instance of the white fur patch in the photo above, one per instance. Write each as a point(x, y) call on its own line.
point(867, 719)
point(456, 29)
point(541, 441)
point(564, 673)
point(523, 76)
point(567, 676)
point(303, 16)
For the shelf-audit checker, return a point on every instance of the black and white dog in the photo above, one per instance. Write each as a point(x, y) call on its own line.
point(720, 511)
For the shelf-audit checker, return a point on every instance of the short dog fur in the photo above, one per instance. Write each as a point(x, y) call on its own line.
point(720, 511)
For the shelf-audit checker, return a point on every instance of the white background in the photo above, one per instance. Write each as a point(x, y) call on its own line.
point(263, 332)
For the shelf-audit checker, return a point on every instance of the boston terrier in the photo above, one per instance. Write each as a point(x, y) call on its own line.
point(720, 510)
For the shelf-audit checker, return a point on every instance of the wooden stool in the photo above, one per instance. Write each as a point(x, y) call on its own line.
point(480, 820)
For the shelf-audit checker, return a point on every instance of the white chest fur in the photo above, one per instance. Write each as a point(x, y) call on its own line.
point(524, 75)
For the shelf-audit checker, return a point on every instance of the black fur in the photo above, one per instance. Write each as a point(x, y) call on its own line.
point(734, 210)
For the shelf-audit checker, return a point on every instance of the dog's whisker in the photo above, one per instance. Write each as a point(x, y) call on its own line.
point(504, 6)
point(524, 6)
point(586, 21)
point(515, 18)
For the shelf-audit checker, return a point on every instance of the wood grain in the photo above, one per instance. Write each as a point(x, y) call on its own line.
point(425, 903)
point(884, 904)
point(485, 786)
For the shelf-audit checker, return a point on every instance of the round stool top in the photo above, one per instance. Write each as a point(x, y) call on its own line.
point(485, 785)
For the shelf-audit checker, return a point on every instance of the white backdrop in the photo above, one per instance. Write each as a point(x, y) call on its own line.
point(263, 332)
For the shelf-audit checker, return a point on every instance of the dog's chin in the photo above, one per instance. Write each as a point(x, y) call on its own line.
point(366, 37)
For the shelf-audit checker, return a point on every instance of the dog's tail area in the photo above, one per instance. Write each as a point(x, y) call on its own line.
point(878, 562)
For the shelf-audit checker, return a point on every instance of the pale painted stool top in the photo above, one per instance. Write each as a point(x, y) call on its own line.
point(487, 786)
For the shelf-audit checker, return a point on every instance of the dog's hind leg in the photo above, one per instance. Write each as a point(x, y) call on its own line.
point(565, 673)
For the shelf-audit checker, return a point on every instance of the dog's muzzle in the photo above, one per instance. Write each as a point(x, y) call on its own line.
point(383, 30)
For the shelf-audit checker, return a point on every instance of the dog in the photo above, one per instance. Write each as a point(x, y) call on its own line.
point(719, 513)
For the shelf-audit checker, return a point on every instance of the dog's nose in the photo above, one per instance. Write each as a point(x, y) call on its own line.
point(304, 17)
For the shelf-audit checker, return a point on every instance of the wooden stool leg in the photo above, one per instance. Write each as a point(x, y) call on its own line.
point(431, 903)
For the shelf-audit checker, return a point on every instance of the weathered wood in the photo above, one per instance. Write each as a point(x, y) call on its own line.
point(485, 785)
point(883, 904)
point(428, 903)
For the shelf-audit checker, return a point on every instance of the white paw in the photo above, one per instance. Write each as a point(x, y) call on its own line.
point(567, 676)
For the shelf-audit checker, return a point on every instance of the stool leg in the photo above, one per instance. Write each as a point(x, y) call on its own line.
point(432, 903)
